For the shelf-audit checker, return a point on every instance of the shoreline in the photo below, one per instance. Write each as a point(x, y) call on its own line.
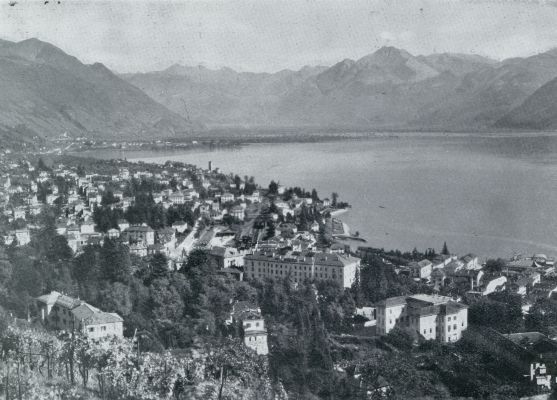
point(346, 234)
point(209, 142)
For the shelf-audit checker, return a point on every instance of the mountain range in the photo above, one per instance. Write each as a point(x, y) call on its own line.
point(388, 89)
point(45, 93)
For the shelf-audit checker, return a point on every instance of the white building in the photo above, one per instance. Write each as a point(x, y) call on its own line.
point(59, 311)
point(140, 234)
point(431, 316)
point(180, 226)
point(21, 236)
point(227, 257)
point(253, 326)
point(421, 270)
point(301, 266)
point(227, 197)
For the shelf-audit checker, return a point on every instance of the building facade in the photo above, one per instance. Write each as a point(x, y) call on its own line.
point(301, 266)
point(432, 317)
point(249, 316)
point(59, 311)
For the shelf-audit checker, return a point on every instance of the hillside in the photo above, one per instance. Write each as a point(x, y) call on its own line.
point(538, 111)
point(45, 92)
point(483, 97)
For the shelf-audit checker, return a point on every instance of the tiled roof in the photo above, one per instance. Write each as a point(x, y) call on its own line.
point(84, 311)
point(59, 299)
point(392, 301)
point(81, 310)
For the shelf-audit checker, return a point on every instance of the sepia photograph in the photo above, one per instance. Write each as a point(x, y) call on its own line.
point(278, 199)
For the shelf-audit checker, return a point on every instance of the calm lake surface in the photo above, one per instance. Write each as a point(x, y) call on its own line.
point(494, 196)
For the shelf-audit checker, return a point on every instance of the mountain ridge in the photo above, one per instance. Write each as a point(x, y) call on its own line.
point(46, 93)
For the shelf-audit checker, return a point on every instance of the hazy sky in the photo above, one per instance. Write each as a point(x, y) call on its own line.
point(269, 35)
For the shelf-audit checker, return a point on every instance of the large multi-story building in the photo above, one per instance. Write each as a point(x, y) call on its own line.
point(301, 266)
point(431, 316)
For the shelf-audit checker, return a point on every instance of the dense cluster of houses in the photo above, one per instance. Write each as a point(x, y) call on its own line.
point(458, 281)
point(230, 222)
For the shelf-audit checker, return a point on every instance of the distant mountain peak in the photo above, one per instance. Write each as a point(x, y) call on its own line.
point(391, 51)
point(386, 56)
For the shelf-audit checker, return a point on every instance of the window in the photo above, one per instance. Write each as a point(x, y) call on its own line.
point(425, 331)
point(92, 329)
point(448, 318)
point(248, 325)
point(103, 328)
point(454, 327)
point(449, 328)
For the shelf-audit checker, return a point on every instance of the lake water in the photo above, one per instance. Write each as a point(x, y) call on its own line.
point(494, 196)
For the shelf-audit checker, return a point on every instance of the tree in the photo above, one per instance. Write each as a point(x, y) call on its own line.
point(41, 166)
point(273, 187)
point(445, 250)
point(59, 249)
point(115, 261)
point(501, 311)
point(158, 265)
point(115, 297)
point(495, 266)
point(334, 197)
point(230, 358)
point(86, 265)
point(6, 270)
point(108, 198)
point(314, 195)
